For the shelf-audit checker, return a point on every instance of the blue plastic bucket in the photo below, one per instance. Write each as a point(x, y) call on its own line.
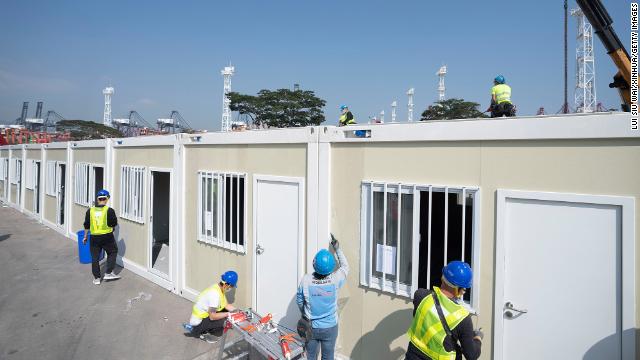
point(84, 250)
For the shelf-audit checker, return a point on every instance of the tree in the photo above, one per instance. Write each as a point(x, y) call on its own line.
point(86, 130)
point(452, 109)
point(280, 108)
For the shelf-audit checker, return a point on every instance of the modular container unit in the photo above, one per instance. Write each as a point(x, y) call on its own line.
point(33, 170)
point(16, 176)
point(56, 185)
point(4, 174)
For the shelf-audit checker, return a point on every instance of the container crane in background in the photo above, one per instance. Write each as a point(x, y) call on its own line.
point(175, 122)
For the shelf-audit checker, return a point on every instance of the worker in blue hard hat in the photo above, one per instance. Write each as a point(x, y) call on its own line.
point(210, 311)
point(346, 117)
point(434, 335)
point(317, 299)
point(99, 221)
point(501, 104)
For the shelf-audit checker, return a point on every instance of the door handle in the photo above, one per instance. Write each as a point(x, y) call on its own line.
point(510, 309)
point(259, 250)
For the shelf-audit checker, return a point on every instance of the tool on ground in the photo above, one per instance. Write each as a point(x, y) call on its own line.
point(265, 320)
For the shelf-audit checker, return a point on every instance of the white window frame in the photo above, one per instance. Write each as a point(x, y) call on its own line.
point(132, 191)
point(219, 237)
point(367, 277)
point(15, 171)
point(51, 179)
point(4, 169)
point(84, 183)
point(29, 178)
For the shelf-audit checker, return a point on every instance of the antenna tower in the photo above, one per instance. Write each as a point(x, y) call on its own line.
point(441, 89)
point(227, 72)
point(394, 104)
point(106, 120)
point(410, 93)
point(585, 92)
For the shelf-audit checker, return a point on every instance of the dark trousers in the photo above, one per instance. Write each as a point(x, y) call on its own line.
point(107, 243)
point(504, 109)
point(214, 327)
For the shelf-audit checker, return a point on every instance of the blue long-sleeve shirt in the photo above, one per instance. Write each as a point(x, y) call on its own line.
point(317, 298)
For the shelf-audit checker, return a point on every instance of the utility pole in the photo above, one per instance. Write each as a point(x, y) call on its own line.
point(565, 104)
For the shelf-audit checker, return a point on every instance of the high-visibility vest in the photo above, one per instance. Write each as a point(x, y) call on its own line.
point(502, 93)
point(196, 311)
point(344, 121)
point(427, 333)
point(98, 220)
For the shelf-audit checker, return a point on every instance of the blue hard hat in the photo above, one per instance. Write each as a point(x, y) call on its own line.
point(230, 277)
point(499, 79)
point(343, 106)
point(458, 273)
point(323, 262)
point(103, 193)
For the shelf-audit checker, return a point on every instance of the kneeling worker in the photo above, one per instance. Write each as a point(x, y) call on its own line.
point(317, 299)
point(211, 309)
point(436, 336)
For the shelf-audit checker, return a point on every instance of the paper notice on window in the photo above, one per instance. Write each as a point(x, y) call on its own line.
point(386, 255)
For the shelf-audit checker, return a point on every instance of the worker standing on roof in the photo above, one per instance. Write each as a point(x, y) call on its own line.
point(317, 299)
point(501, 104)
point(346, 117)
point(211, 309)
point(100, 221)
point(434, 335)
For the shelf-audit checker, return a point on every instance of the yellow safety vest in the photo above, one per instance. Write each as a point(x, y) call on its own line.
point(502, 93)
point(202, 313)
point(344, 121)
point(427, 333)
point(98, 220)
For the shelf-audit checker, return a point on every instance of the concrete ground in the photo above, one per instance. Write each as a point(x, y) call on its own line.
point(50, 309)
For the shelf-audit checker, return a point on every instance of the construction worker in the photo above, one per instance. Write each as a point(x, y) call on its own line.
point(209, 313)
point(100, 221)
point(501, 104)
point(434, 335)
point(346, 117)
point(317, 299)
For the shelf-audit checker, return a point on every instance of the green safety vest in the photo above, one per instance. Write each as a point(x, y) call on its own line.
point(344, 121)
point(426, 331)
point(502, 93)
point(98, 221)
point(197, 312)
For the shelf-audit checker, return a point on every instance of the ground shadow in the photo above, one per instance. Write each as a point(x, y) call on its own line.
point(4, 237)
point(604, 349)
point(378, 341)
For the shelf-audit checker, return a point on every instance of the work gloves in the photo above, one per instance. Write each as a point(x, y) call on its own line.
point(334, 243)
point(478, 333)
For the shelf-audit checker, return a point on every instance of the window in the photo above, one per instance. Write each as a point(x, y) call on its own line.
point(30, 177)
point(221, 209)
point(50, 187)
point(409, 232)
point(4, 169)
point(16, 169)
point(132, 193)
point(87, 178)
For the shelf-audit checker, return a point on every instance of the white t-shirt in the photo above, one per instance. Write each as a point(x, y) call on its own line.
point(209, 300)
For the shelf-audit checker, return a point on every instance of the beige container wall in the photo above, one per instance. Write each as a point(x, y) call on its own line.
point(373, 324)
point(50, 201)
point(15, 154)
point(133, 237)
point(204, 263)
point(28, 200)
point(3, 154)
point(94, 156)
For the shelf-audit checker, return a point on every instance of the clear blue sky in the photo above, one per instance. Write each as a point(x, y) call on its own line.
point(167, 55)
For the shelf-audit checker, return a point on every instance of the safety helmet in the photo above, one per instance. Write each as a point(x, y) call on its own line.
point(103, 193)
point(323, 262)
point(343, 106)
point(230, 277)
point(458, 273)
point(499, 79)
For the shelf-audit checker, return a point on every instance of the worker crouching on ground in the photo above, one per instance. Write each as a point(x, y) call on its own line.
point(434, 335)
point(211, 309)
point(501, 104)
point(100, 221)
point(317, 299)
point(346, 117)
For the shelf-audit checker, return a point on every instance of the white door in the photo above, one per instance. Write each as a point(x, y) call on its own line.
point(278, 230)
point(558, 280)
